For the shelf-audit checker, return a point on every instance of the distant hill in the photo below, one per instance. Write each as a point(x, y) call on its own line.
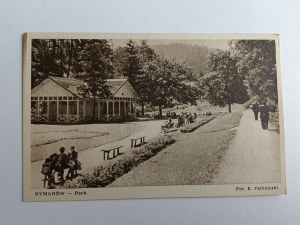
point(194, 56)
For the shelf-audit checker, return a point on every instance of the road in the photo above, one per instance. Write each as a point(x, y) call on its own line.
point(253, 156)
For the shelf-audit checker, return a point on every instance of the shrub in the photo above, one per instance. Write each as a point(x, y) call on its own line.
point(193, 126)
point(208, 113)
point(105, 175)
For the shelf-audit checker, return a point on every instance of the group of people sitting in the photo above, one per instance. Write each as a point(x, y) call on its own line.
point(183, 119)
point(186, 118)
point(58, 162)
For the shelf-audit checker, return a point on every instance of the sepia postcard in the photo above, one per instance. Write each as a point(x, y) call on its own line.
point(117, 116)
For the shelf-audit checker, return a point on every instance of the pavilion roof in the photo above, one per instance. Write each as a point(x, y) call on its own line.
point(72, 84)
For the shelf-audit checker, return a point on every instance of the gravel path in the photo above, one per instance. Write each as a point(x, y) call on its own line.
point(253, 157)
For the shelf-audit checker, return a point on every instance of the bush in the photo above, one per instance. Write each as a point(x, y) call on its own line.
point(105, 175)
point(208, 113)
point(193, 126)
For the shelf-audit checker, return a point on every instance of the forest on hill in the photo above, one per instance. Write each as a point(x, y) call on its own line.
point(194, 56)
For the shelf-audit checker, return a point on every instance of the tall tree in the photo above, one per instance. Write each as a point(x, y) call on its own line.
point(257, 62)
point(224, 85)
point(165, 82)
point(95, 61)
point(132, 66)
point(133, 60)
point(119, 62)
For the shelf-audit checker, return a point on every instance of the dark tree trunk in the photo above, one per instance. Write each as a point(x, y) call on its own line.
point(143, 110)
point(160, 111)
point(62, 58)
point(229, 107)
point(94, 109)
point(70, 57)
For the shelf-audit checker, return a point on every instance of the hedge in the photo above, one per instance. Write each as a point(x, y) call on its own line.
point(193, 126)
point(105, 175)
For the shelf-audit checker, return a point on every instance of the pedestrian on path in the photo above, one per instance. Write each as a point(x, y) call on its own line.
point(255, 109)
point(264, 115)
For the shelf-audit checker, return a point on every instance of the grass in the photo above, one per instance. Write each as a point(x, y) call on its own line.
point(47, 139)
point(193, 159)
point(104, 175)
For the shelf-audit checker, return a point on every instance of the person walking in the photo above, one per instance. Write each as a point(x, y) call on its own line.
point(63, 163)
point(255, 109)
point(264, 115)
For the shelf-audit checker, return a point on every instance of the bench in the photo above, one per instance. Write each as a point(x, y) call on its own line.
point(115, 150)
point(134, 140)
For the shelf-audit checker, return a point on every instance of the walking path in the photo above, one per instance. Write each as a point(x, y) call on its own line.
point(93, 157)
point(213, 155)
point(253, 157)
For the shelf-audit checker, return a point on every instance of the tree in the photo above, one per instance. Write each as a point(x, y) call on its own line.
point(132, 64)
point(257, 63)
point(52, 57)
point(224, 85)
point(166, 82)
point(119, 62)
point(95, 61)
point(44, 60)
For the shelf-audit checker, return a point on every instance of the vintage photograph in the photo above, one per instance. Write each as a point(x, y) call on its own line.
point(110, 116)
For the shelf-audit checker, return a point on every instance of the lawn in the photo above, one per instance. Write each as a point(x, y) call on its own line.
point(193, 159)
point(47, 139)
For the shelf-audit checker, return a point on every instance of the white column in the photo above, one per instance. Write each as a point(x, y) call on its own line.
point(57, 109)
point(67, 109)
point(48, 109)
point(38, 109)
point(125, 108)
point(130, 107)
point(113, 108)
point(77, 109)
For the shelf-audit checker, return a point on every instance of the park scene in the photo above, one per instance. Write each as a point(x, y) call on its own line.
point(157, 112)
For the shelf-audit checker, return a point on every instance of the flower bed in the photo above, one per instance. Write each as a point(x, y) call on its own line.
point(104, 175)
point(193, 126)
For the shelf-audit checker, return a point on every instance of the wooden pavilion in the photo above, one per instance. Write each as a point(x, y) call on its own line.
point(58, 100)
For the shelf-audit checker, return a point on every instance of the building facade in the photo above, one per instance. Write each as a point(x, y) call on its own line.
point(58, 100)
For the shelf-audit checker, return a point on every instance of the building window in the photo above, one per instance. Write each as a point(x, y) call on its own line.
point(81, 108)
point(62, 108)
point(72, 108)
point(103, 108)
point(43, 108)
point(33, 108)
